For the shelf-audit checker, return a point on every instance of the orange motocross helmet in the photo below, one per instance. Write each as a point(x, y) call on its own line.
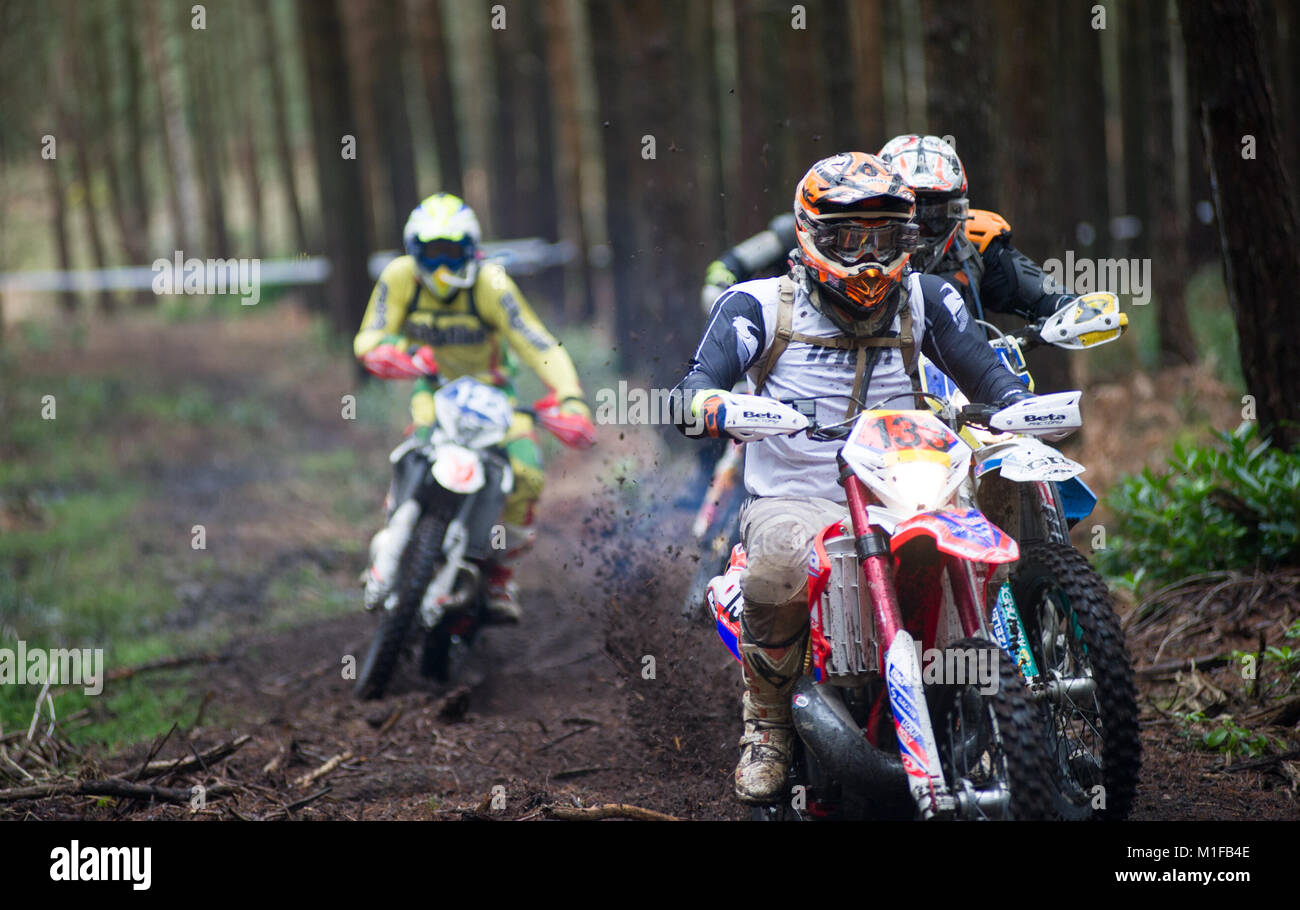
point(853, 224)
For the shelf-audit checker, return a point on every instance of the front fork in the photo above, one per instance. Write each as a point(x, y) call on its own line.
point(902, 670)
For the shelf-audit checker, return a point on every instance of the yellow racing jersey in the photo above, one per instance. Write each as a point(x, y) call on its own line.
point(473, 333)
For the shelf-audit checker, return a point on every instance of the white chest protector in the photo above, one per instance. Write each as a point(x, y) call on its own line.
point(797, 465)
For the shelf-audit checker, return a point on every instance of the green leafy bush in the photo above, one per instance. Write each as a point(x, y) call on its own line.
point(1224, 734)
point(1230, 506)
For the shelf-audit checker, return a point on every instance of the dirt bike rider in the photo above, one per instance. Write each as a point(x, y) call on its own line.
point(848, 316)
point(442, 297)
point(971, 248)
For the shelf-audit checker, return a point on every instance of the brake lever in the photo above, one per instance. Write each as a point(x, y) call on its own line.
point(976, 415)
point(1031, 336)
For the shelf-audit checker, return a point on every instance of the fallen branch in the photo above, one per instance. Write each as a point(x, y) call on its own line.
point(1282, 714)
point(157, 747)
point(165, 663)
point(1258, 764)
point(287, 811)
point(201, 760)
point(324, 769)
point(109, 787)
point(576, 772)
point(1174, 666)
point(390, 722)
point(544, 746)
point(610, 810)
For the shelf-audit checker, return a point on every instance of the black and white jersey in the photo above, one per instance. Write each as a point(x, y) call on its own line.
point(740, 332)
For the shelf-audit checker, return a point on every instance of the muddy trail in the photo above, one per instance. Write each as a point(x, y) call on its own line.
point(603, 695)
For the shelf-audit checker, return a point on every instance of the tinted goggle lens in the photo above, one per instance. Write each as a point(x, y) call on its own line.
point(936, 218)
point(853, 241)
point(443, 252)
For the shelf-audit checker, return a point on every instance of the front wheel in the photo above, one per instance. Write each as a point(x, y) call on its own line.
point(1089, 703)
point(415, 571)
point(990, 742)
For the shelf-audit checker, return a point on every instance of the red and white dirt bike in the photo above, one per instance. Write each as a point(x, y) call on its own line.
point(908, 706)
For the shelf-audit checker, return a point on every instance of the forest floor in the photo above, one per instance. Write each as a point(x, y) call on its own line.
point(602, 696)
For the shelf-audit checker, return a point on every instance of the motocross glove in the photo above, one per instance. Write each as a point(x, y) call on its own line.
point(389, 361)
point(569, 420)
point(709, 408)
point(1013, 396)
point(718, 278)
point(719, 275)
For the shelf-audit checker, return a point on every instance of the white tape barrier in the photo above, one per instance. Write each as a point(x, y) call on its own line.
point(519, 257)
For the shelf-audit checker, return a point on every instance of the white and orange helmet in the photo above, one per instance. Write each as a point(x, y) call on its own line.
point(930, 166)
point(853, 225)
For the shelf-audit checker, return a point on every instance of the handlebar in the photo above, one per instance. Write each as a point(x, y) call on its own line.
point(977, 414)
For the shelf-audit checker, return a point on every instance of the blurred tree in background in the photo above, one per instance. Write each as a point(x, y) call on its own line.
point(649, 134)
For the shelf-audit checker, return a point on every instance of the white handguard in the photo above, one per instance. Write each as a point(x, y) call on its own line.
point(1085, 322)
point(1052, 417)
point(750, 417)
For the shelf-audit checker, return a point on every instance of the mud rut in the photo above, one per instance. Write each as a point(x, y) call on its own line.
point(556, 711)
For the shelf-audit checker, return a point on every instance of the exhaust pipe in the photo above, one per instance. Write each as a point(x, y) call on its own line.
point(836, 742)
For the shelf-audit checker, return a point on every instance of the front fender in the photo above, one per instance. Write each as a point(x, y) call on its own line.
point(967, 535)
point(458, 469)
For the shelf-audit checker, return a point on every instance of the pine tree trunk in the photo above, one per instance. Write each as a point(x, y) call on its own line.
point(958, 37)
point(209, 146)
point(342, 191)
point(394, 127)
point(619, 146)
point(1253, 200)
point(280, 122)
point(867, 105)
point(80, 133)
point(183, 198)
point(1166, 220)
point(560, 65)
point(429, 32)
point(1026, 199)
point(138, 191)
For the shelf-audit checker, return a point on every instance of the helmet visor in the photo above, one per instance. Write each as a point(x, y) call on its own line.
point(937, 216)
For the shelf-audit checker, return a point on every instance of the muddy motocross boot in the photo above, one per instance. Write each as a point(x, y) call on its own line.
point(767, 745)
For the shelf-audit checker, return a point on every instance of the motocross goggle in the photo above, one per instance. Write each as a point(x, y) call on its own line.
point(852, 240)
point(453, 254)
point(937, 217)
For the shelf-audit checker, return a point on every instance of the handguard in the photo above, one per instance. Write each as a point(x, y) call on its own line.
point(1085, 322)
point(1053, 416)
point(387, 361)
point(749, 417)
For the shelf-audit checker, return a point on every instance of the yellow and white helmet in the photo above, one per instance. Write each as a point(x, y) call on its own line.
point(442, 236)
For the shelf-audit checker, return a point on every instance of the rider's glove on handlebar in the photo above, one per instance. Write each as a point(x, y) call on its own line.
point(388, 361)
point(1013, 396)
point(709, 408)
point(569, 420)
point(424, 360)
